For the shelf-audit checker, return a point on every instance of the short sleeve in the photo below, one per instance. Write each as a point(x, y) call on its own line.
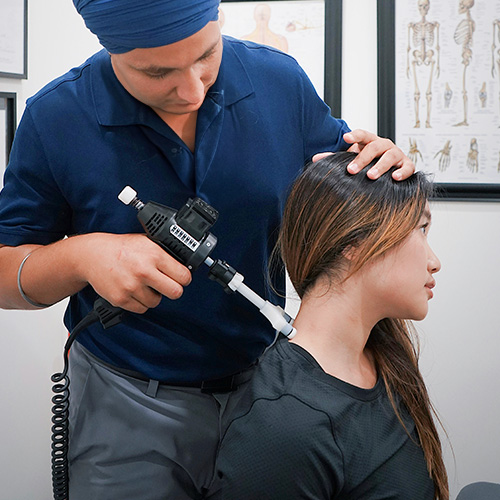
point(321, 131)
point(32, 208)
point(280, 449)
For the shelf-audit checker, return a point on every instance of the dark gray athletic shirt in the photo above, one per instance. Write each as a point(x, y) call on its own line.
point(300, 433)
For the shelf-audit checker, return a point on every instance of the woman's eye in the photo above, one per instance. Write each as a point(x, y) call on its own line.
point(424, 228)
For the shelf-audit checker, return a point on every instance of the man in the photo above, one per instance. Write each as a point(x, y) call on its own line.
point(175, 111)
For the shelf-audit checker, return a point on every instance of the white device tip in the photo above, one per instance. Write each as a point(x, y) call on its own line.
point(127, 195)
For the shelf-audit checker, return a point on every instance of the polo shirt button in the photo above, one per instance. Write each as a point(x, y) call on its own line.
point(174, 150)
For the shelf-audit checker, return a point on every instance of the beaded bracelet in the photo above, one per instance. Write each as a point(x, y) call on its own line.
point(20, 288)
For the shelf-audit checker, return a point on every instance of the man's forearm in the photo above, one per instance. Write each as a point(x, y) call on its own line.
point(49, 274)
point(128, 270)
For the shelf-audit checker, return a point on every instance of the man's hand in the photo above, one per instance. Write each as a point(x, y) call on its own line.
point(370, 146)
point(128, 270)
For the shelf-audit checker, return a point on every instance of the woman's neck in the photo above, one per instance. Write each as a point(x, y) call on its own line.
point(334, 328)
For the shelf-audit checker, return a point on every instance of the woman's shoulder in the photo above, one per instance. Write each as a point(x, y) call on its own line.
point(274, 437)
point(282, 384)
point(288, 384)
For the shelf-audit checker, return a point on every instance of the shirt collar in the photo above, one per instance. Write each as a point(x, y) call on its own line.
point(233, 75)
point(124, 109)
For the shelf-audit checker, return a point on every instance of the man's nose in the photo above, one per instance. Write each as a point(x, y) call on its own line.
point(191, 88)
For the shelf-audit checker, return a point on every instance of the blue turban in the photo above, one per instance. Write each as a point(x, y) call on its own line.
point(124, 25)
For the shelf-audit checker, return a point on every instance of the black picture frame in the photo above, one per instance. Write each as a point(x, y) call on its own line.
point(333, 52)
point(386, 85)
point(8, 103)
point(19, 32)
point(333, 55)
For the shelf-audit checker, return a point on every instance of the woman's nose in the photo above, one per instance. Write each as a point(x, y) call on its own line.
point(434, 264)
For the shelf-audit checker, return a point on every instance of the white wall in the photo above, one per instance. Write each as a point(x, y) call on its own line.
point(31, 342)
point(461, 335)
point(461, 340)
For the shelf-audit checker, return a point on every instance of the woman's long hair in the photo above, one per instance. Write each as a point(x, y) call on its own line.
point(330, 211)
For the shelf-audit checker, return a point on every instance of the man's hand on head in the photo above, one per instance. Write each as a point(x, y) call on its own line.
point(370, 146)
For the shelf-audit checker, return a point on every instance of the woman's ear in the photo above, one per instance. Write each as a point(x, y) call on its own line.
point(350, 252)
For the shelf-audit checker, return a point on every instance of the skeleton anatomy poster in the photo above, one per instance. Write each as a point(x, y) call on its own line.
point(448, 87)
point(296, 27)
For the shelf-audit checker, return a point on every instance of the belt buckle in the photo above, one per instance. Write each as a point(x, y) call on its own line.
point(221, 385)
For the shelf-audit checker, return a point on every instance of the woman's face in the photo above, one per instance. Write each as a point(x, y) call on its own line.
point(400, 282)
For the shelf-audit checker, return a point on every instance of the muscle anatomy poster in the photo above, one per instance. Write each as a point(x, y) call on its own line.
point(296, 27)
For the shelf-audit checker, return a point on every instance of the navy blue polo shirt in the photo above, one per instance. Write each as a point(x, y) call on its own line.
point(83, 138)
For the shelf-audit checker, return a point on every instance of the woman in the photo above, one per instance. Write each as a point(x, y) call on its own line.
point(341, 410)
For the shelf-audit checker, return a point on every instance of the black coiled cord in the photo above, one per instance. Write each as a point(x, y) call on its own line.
point(109, 316)
point(60, 416)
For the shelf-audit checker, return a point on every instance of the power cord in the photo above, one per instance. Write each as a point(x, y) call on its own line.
point(109, 316)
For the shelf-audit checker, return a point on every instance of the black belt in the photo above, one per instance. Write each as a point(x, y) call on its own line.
point(221, 385)
point(218, 385)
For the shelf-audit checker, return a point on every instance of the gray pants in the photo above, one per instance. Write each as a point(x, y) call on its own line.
point(132, 440)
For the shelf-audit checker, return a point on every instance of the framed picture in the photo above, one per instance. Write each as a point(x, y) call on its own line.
point(439, 90)
point(7, 128)
point(308, 30)
point(13, 38)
